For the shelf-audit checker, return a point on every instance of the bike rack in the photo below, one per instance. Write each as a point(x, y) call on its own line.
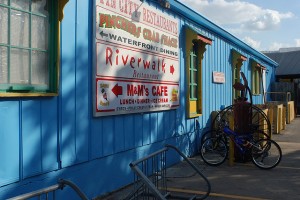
point(44, 192)
point(150, 178)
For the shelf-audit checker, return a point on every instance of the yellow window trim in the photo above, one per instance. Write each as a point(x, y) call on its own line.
point(61, 7)
point(237, 63)
point(257, 69)
point(194, 107)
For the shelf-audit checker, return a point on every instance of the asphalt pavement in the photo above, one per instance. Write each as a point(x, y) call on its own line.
point(242, 181)
point(246, 181)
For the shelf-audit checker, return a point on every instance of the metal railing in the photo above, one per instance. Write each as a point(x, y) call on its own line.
point(150, 180)
point(283, 96)
point(49, 192)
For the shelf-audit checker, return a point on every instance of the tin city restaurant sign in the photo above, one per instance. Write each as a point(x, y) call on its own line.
point(137, 61)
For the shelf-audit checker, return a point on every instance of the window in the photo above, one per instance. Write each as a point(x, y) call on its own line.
point(28, 47)
point(257, 78)
point(193, 76)
point(195, 48)
point(237, 63)
point(193, 84)
point(256, 81)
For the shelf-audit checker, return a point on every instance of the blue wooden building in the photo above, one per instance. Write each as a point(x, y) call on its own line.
point(86, 87)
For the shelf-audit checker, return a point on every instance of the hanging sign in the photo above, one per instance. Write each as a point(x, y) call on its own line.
point(137, 58)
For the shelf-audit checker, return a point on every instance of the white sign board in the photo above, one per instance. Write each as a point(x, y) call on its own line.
point(218, 77)
point(137, 58)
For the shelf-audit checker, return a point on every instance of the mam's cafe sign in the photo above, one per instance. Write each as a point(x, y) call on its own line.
point(123, 97)
point(137, 61)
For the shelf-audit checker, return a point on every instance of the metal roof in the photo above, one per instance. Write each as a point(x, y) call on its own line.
point(288, 60)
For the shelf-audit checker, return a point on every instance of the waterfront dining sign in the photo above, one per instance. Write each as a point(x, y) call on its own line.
point(137, 58)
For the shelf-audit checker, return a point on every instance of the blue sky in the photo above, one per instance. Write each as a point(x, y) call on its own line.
point(266, 25)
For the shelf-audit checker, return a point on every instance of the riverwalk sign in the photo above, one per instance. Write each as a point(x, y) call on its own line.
point(137, 58)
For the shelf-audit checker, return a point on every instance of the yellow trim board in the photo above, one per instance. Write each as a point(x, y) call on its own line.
point(61, 6)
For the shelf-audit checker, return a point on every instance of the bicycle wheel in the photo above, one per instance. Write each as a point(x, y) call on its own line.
point(266, 154)
point(214, 151)
point(213, 133)
point(257, 135)
point(243, 119)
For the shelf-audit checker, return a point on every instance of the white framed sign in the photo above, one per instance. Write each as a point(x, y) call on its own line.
point(125, 96)
point(218, 77)
point(137, 58)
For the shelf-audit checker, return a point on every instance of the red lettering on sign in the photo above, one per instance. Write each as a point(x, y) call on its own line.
point(160, 91)
point(138, 90)
point(115, 57)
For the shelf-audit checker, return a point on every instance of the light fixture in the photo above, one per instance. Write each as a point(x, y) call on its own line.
point(165, 4)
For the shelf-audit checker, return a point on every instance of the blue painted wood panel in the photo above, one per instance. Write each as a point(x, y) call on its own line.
point(96, 142)
point(31, 138)
point(83, 84)
point(146, 129)
point(129, 134)
point(153, 127)
point(68, 84)
point(120, 133)
point(75, 85)
point(39, 136)
point(108, 136)
point(138, 130)
point(49, 132)
point(9, 140)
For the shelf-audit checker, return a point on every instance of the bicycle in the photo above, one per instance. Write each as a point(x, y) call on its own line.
point(265, 153)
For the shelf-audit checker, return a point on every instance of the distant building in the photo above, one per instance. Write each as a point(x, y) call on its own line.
point(287, 73)
point(289, 62)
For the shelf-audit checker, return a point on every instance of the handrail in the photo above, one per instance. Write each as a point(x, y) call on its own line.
point(60, 185)
point(37, 192)
point(194, 167)
point(64, 182)
point(286, 94)
point(150, 185)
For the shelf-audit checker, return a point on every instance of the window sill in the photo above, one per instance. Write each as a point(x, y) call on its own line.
point(190, 116)
point(16, 94)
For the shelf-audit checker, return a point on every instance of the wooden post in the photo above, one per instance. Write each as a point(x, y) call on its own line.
point(231, 143)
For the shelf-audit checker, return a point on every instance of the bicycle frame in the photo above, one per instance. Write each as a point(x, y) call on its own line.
point(238, 140)
point(263, 152)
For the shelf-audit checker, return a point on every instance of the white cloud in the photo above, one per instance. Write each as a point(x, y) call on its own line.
point(275, 46)
point(253, 43)
point(239, 13)
point(297, 42)
point(267, 20)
